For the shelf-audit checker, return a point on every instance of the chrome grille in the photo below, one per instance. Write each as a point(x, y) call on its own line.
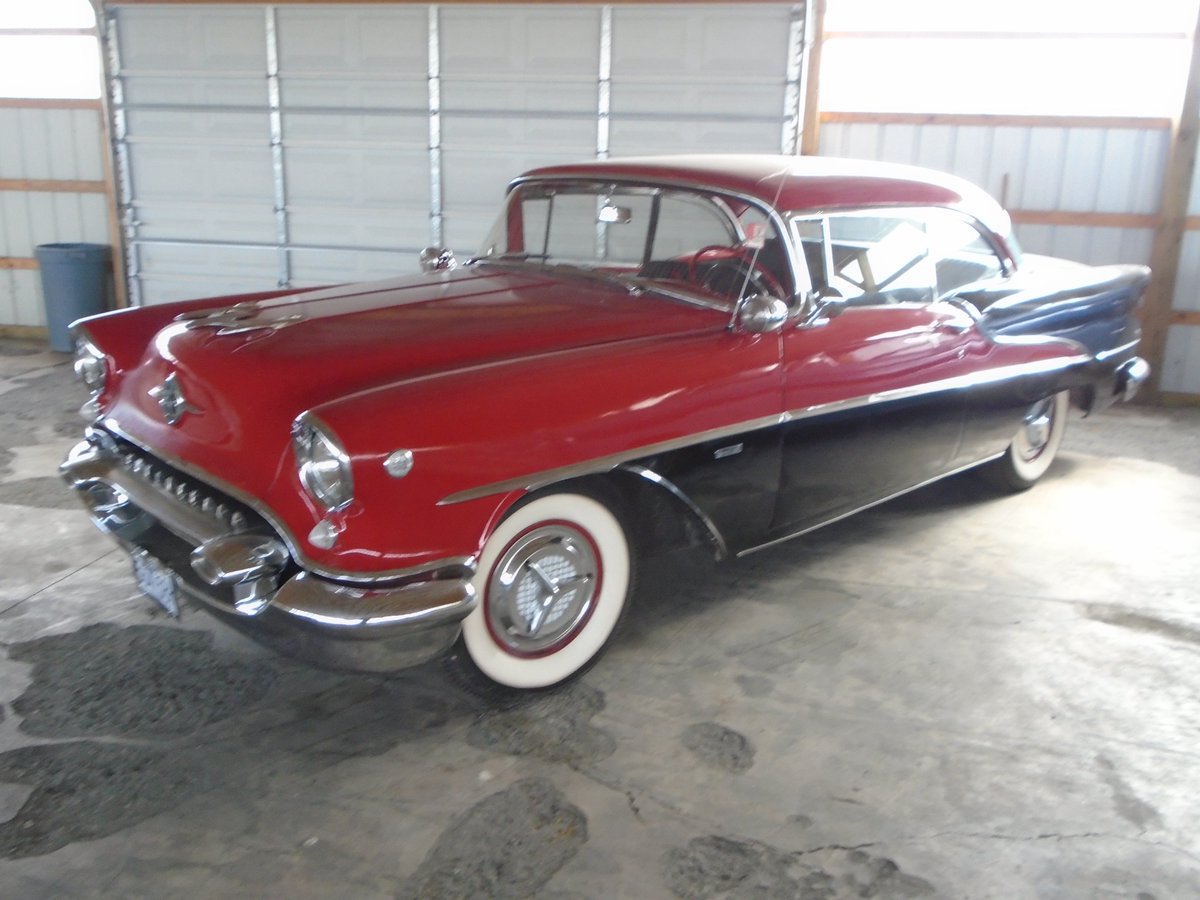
point(169, 481)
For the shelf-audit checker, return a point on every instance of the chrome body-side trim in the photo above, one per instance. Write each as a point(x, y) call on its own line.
point(535, 480)
point(865, 506)
point(714, 533)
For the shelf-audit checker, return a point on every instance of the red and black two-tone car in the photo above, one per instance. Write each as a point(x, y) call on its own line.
point(731, 349)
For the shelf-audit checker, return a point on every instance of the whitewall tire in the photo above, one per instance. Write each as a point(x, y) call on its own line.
point(1034, 445)
point(553, 582)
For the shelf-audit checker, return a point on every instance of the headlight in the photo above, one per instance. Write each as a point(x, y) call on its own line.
point(91, 368)
point(324, 467)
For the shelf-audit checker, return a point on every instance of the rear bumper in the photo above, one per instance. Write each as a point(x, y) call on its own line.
point(233, 563)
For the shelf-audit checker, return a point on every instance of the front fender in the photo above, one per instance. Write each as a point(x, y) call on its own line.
point(481, 438)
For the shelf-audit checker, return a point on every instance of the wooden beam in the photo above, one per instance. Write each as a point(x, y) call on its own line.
point(47, 32)
point(47, 103)
point(18, 262)
point(25, 332)
point(52, 186)
point(1151, 123)
point(810, 129)
point(1007, 35)
point(1083, 219)
point(1167, 398)
point(1185, 317)
point(1168, 237)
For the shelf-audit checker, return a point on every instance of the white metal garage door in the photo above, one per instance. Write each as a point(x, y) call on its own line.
point(300, 144)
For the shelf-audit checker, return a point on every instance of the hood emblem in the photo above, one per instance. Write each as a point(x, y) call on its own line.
point(171, 401)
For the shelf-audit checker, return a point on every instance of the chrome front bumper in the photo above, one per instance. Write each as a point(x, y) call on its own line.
point(228, 558)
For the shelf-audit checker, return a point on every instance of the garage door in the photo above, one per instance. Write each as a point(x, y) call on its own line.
point(305, 144)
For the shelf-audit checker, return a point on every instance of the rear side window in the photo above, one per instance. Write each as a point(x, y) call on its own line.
point(874, 258)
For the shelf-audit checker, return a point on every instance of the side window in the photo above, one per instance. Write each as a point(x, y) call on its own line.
point(880, 259)
point(962, 255)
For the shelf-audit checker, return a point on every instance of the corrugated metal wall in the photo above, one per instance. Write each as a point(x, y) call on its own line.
point(1105, 181)
point(56, 145)
point(1181, 368)
point(1037, 169)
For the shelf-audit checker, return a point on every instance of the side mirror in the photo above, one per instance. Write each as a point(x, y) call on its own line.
point(435, 259)
point(759, 314)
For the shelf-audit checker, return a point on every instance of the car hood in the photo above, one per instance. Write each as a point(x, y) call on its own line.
point(244, 371)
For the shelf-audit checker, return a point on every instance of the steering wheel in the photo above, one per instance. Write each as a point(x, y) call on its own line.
point(729, 269)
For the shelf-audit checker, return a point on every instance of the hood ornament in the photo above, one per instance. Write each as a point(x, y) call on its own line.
point(170, 399)
point(236, 319)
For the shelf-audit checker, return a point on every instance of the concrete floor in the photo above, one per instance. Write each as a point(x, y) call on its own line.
point(955, 695)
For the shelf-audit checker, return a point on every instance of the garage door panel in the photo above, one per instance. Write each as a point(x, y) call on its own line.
point(746, 41)
point(387, 95)
point(354, 41)
point(398, 228)
point(355, 176)
point(167, 287)
point(567, 135)
point(519, 41)
point(703, 97)
point(520, 97)
point(466, 229)
point(208, 38)
point(184, 125)
point(318, 267)
point(518, 87)
point(407, 132)
point(211, 221)
point(179, 259)
point(180, 172)
point(633, 137)
point(161, 90)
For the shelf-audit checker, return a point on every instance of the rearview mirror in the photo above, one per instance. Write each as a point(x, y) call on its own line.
point(615, 215)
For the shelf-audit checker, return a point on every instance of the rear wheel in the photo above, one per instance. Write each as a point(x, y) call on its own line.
point(553, 582)
point(1033, 447)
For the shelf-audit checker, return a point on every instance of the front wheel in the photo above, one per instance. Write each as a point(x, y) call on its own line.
point(552, 582)
point(1033, 447)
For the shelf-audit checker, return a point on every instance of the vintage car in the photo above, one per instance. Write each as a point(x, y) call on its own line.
point(731, 350)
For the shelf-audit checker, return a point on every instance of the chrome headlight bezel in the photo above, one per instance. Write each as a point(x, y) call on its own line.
point(91, 370)
point(322, 463)
point(90, 366)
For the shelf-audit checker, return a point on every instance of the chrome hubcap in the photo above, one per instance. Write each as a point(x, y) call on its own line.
point(542, 588)
point(1035, 432)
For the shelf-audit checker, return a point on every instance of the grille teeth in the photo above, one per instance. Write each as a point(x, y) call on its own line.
point(196, 495)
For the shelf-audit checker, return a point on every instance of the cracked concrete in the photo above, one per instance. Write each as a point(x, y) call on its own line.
point(953, 695)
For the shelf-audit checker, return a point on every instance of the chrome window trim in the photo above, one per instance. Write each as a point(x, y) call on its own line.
point(301, 558)
point(1007, 264)
point(801, 285)
point(535, 480)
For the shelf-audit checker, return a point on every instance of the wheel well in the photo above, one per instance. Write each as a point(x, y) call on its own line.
point(658, 519)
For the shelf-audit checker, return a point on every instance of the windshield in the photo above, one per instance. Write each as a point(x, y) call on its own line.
point(693, 245)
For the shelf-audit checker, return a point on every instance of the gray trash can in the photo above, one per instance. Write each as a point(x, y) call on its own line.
point(75, 279)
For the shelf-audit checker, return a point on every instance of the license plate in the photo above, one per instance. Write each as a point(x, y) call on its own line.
point(157, 582)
